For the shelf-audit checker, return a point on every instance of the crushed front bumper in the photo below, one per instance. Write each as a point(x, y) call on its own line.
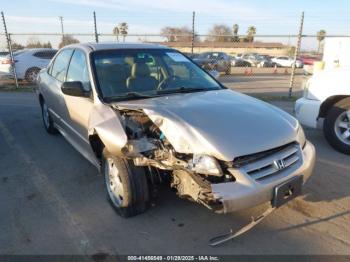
point(247, 192)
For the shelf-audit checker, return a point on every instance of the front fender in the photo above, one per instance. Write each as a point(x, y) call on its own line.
point(106, 123)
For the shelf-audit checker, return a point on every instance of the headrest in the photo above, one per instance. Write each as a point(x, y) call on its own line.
point(139, 70)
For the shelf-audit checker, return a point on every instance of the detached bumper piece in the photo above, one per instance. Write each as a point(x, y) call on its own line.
point(231, 235)
point(282, 194)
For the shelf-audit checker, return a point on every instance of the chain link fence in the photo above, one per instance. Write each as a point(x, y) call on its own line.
point(246, 63)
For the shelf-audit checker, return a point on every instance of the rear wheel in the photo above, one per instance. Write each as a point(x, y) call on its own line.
point(126, 185)
point(337, 126)
point(32, 74)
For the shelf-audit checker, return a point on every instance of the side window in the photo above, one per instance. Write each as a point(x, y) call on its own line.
point(38, 54)
point(47, 54)
point(59, 67)
point(78, 69)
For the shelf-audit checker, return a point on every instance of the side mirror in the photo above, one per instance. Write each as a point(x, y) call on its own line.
point(74, 88)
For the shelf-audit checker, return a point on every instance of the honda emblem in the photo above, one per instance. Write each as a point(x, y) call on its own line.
point(279, 164)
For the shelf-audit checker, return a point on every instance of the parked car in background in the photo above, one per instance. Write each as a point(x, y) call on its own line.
point(143, 114)
point(264, 61)
point(218, 61)
point(310, 59)
point(4, 53)
point(28, 62)
point(326, 104)
point(257, 60)
point(251, 58)
point(238, 62)
point(286, 61)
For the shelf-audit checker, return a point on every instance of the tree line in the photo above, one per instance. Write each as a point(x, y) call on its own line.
point(218, 33)
point(34, 42)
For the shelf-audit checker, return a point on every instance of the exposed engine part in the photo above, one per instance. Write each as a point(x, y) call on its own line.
point(148, 147)
point(137, 125)
point(136, 146)
point(197, 188)
point(143, 134)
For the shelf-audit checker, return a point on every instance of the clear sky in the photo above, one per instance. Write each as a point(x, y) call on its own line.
point(268, 16)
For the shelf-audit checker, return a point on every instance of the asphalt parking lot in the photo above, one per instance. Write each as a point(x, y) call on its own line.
point(53, 202)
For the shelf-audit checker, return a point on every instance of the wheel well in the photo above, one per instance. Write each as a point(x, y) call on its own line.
point(96, 145)
point(31, 68)
point(41, 99)
point(327, 104)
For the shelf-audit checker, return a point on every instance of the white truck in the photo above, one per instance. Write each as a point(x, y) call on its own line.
point(326, 100)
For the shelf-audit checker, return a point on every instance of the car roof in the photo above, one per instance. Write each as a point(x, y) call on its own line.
point(112, 45)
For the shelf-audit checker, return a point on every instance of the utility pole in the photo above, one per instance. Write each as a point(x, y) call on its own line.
point(193, 36)
point(95, 27)
point(296, 52)
point(61, 20)
point(9, 46)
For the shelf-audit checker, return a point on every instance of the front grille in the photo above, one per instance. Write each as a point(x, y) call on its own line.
point(268, 166)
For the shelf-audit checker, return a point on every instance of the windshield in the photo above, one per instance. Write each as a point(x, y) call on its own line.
point(131, 73)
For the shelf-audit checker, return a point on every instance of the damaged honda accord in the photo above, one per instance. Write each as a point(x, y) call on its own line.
point(144, 114)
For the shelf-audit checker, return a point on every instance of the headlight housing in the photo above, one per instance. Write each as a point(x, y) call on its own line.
point(301, 139)
point(206, 165)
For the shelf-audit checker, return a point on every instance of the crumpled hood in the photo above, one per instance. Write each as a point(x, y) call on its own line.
point(224, 124)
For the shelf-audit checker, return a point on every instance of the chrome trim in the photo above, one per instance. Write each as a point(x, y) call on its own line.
point(274, 163)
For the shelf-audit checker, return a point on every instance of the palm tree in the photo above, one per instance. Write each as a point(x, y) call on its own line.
point(116, 33)
point(251, 33)
point(320, 37)
point(235, 29)
point(123, 29)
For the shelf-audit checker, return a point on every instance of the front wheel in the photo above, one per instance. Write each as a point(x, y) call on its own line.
point(47, 120)
point(337, 126)
point(126, 185)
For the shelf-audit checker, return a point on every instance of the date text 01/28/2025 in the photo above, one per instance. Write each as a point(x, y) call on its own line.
point(173, 258)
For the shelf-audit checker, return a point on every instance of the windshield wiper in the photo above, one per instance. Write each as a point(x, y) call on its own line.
point(128, 96)
point(183, 90)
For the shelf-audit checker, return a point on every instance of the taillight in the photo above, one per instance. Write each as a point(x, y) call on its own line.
point(8, 62)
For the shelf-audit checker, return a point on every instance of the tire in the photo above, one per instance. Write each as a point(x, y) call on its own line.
point(130, 194)
point(47, 119)
point(32, 74)
point(336, 126)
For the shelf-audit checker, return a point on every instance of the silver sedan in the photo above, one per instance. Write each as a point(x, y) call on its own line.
point(145, 114)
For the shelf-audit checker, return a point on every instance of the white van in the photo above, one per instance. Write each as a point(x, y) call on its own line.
point(326, 104)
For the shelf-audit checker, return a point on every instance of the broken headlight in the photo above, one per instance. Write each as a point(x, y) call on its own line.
point(301, 139)
point(206, 165)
